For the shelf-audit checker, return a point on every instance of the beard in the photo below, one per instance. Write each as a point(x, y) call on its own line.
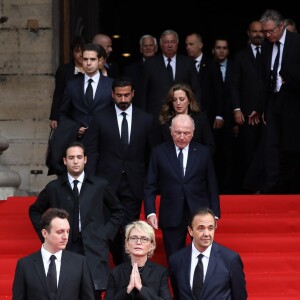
point(123, 105)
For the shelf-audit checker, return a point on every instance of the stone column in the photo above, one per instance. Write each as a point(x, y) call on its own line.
point(9, 180)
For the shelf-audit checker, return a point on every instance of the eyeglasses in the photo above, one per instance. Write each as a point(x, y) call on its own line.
point(271, 31)
point(134, 239)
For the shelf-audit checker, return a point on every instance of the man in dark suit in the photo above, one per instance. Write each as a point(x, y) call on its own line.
point(76, 111)
point(98, 219)
point(194, 49)
point(164, 70)
point(183, 185)
point(282, 106)
point(247, 96)
point(148, 48)
point(220, 275)
point(122, 162)
point(73, 279)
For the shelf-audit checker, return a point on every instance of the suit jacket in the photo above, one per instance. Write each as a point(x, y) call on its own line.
point(112, 68)
point(154, 280)
point(63, 74)
point(247, 87)
point(198, 188)
point(212, 92)
point(96, 198)
point(156, 83)
point(109, 158)
point(224, 279)
point(74, 282)
point(74, 104)
point(288, 99)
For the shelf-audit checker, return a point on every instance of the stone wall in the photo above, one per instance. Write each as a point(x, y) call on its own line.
point(26, 88)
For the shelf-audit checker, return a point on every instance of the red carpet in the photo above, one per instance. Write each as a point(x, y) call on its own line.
point(264, 229)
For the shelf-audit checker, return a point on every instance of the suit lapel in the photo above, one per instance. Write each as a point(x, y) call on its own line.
point(213, 260)
point(39, 268)
point(192, 157)
point(80, 91)
point(286, 48)
point(172, 156)
point(65, 262)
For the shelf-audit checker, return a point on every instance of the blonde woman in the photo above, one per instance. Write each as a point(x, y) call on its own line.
point(139, 278)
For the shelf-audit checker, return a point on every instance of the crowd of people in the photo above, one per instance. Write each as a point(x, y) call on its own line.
point(187, 127)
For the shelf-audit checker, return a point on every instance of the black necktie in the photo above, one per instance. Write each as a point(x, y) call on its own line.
point(198, 277)
point(275, 67)
point(169, 70)
point(180, 159)
point(89, 93)
point(51, 277)
point(124, 129)
point(76, 211)
point(258, 54)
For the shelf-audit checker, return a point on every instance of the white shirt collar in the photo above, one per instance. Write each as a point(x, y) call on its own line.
point(46, 254)
point(80, 178)
point(95, 78)
point(196, 252)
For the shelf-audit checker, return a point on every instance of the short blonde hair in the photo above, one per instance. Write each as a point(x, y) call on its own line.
point(143, 227)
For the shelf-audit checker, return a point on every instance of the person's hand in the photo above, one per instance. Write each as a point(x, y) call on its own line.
point(253, 118)
point(152, 220)
point(135, 280)
point(53, 124)
point(239, 117)
point(81, 131)
point(130, 286)
point(218, 123)
point(137, 277)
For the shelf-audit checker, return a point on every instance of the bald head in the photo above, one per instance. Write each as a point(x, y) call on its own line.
point(182, 130)
point(105, 41)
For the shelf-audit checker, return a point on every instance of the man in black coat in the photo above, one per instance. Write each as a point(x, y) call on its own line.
point(99, 218)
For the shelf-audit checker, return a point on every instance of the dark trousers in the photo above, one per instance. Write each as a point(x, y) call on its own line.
point(272, 153)
point(132, 209)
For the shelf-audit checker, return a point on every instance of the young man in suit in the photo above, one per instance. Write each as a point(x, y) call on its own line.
point(220, 275)
point(72, 278)
point(184, 185)
point(122, 162)
point(95, 212)
point(77, 108)
point(282, 76)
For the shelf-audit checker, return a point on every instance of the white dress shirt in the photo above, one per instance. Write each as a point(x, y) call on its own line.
point(128, 112)
point(194, 261)
point(46, 261)
point(95, 78)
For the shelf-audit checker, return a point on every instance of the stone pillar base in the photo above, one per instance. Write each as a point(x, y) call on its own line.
point(6, 192)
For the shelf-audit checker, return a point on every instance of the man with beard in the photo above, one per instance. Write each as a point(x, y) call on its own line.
point(119, 143)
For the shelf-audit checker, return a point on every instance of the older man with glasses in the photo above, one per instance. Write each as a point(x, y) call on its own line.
point(282, 65)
